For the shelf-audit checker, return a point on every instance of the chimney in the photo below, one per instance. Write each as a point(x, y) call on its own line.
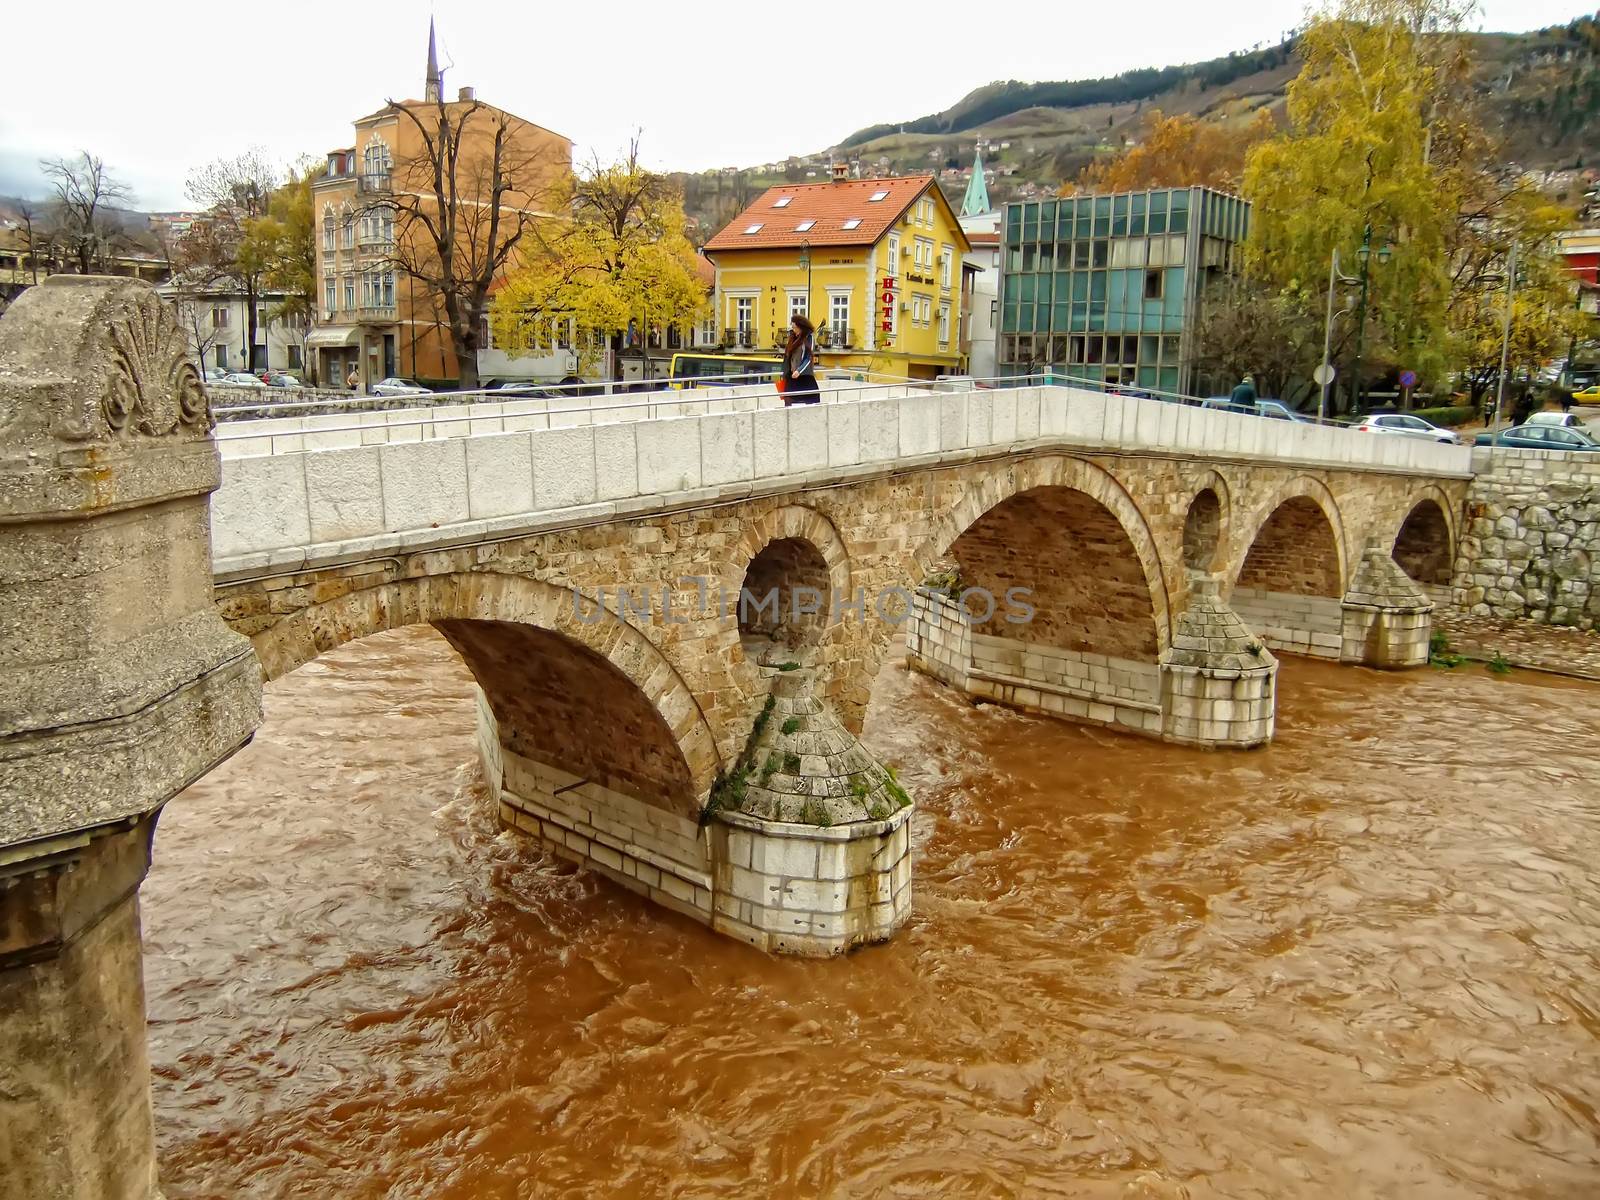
point(466, 95)
point(841, 172)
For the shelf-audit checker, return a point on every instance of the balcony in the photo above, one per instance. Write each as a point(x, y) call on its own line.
point(375, 314)
point(373, 182)
point(739, 339)
point(836, 337)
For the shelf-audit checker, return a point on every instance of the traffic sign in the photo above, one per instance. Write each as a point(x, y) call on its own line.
point(1324, 374)
point(1408, 379)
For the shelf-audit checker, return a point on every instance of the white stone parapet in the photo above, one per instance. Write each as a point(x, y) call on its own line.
point(296, 493)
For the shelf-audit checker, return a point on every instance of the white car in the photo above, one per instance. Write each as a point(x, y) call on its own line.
point(1564, 420)
point(1406, 425)
point(241, 379)
point(395, 386)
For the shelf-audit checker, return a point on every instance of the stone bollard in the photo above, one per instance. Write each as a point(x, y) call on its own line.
point(1218, 681)
point(119, 686)
point(1387, 621)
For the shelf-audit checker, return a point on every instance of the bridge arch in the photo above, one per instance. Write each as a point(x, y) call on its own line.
point(547, 667)
point(1206, 524)
point(1424, 545)
point(1304, 508)
point(1292, 570)
point(1064, 474)
point(789, 548)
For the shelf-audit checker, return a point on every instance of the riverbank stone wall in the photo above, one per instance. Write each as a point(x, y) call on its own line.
point(1530, 546)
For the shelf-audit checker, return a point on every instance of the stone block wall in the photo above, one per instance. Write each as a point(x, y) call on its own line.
point(811, 890)
point(1077, 684)
point(647, 850)
point(1530, 549)
point(939, 638)
point(1295, 624)
point(1118, 691)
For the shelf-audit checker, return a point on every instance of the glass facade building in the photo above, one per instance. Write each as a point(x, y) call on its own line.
point(1103, 287)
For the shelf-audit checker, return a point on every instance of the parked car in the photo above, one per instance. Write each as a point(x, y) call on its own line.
point(521, 387)
point(1276, 410)
point(395, 386)
point(215, 375)
point(241, 379)
point(1588, 395)
point(282, 379)
point(1562, 420)
point(1541, 437)
point(1406, 425)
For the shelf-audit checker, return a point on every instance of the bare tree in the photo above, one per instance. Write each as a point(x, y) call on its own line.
point(234, 192)
point(85, 195)
point(1245, 328)
point(462, 205)
point(32, 232)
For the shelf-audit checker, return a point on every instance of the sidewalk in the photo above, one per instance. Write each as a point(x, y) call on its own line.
point(1553, 648)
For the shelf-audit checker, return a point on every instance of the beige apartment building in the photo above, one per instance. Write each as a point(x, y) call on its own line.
point(380, 312)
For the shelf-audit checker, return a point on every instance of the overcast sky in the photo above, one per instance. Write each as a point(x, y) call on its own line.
point(158, 90)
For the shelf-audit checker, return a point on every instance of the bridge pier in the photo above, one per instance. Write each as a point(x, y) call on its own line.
point(119, 686)
point(803, 849)
point(1387, 620)
point(75, 1081)
point(1215, 686)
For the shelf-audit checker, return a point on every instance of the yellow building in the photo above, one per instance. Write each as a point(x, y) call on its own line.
point(875, 262)
point(375, 202)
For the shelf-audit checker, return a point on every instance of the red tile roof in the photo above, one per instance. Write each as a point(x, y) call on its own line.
point(984, 238)
point(706, 270)
point(829, 205)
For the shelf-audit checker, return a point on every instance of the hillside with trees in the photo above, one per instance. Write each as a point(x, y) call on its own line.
point(1539, 91)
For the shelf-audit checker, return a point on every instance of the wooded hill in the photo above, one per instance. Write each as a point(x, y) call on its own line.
point(1540, 90)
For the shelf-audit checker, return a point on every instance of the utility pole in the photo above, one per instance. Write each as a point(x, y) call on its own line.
point(1505, 344)
point(1334, 279)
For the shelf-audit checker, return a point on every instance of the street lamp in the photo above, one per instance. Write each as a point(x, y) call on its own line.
point(1364, 254)
point(1505, 345)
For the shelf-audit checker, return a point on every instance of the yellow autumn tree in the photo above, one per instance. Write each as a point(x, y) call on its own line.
point(1377, 147)
point(1177, 151)
point(623, 259)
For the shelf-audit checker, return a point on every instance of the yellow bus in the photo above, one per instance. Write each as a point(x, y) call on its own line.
point(722, 370)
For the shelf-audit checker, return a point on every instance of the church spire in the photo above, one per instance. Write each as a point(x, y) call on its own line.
point(431, 89)
point(977, 200)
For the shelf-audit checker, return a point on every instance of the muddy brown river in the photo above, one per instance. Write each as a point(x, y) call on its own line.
point(1362, 962)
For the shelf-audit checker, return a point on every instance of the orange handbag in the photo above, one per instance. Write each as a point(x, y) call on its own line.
point(782, 384)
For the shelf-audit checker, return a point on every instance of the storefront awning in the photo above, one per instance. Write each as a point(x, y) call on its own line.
point(333, 335)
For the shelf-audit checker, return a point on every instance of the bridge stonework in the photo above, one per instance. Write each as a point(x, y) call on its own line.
point(630, 717)
point(606, 725)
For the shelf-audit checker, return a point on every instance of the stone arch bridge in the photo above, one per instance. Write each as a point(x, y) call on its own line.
point(1101, 558)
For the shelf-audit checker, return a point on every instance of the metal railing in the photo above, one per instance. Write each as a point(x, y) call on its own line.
point(866, 385)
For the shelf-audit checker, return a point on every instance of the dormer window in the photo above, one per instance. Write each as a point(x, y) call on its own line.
point(756, 228)
point(876, 196)
point(853, 223)
point(782, 202)
point(804, 226)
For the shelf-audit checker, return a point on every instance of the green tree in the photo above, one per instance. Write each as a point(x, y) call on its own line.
point(284, 243)
point(623, 258)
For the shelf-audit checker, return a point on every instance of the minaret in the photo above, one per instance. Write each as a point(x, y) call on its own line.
point(977, 200)
point(431, 92)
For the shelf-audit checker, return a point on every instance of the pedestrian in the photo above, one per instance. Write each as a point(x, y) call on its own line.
point(1245, 392)
point(800, 363)
point(351, 378)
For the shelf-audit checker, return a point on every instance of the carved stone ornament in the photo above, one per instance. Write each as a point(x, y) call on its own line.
point(151, 387)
